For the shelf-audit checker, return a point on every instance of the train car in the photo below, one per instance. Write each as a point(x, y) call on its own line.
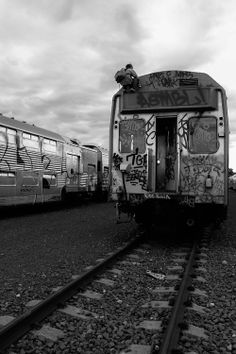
point(169, 147)
point(99, 169)
point(39, 166)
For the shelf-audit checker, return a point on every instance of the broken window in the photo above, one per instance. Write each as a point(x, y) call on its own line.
point(132, 135)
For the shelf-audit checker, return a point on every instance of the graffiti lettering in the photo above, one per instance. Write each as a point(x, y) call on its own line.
point(195, 171)
point(137, 176)
point(168, 78)
point(137, 159)
point(171, 98)
point(188, 201)
point(157, 196)
point(183, 130)
point(150, 131)
point(117, 160)
point(132, 125)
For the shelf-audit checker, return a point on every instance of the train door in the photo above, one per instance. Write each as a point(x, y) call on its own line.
point(50, 186)
point(92, 177)
point(166, 164)
point(73, 169)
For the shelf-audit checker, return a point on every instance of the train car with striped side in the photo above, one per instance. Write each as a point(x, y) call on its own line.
point(39, 166)
point(169, 147)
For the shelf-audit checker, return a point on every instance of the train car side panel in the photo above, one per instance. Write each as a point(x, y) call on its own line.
point(39, 166)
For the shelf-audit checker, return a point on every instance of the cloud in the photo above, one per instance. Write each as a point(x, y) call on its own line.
point(58, 58)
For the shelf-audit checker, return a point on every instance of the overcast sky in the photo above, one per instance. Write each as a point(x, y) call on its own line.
point(58, 57)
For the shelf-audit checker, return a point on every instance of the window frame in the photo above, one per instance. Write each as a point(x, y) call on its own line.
point(132, 149)
point(8, 174)
point(190, 145)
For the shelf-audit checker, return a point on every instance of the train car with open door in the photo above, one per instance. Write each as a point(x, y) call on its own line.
point(169, 147)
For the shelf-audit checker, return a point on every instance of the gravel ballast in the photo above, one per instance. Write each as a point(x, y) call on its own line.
point(41, 251)
point(120, 311)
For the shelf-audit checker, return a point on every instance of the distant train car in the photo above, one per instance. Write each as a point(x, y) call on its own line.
point(39, 166)
point(169, 147)
point(99, 168)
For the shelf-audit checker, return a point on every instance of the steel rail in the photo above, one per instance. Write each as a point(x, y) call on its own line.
point(172, 332)
point(26, 322)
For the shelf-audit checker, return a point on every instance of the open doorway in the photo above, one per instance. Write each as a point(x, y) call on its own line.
point(166, 166)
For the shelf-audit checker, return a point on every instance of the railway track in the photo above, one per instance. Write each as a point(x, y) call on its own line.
point(140, 295)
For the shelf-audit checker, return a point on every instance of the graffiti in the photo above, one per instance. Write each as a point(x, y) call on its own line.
point(202, 164)
point(138, 172)
point(172, 98)
point(170, 167)
point(125, 141)
point(195, 171)
point(219, 185)
point(117, 160)
point(137, 176)
point(23, 157)
point(168, 78)
point(203, 134)
point(132, 134)
point(46, 161)
point(157, 196)
point(132, 125)
point(150, 130)
point(188, 201)
point(183, 130)
point(137, 159)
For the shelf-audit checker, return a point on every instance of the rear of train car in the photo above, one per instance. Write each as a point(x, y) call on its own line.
point(39, 166)
point(169, 148)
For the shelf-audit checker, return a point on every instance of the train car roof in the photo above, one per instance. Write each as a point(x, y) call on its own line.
point(172, 79)
point(96, 147)
point(30, 128)
point(177, 78)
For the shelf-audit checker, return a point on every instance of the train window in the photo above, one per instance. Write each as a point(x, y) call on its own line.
point(26, 136)
point(91, 169)
point(7, 179)
point(3, 135)
point(202, 134)
point(49, 181)
point(30, 181)
point(132, 135)
point(50, 146)
point(73, 163)
point(31, 141)
point(11, 135)
point(35, 137)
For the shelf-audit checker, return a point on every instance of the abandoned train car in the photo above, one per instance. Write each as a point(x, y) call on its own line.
point(40, 166)
point(169, 147)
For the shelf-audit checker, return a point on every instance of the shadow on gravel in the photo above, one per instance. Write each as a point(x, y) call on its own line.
point(169, 233)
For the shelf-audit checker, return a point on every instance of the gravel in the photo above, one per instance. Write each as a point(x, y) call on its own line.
point(120, 309)
point(219, 321)
point(40, 251)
